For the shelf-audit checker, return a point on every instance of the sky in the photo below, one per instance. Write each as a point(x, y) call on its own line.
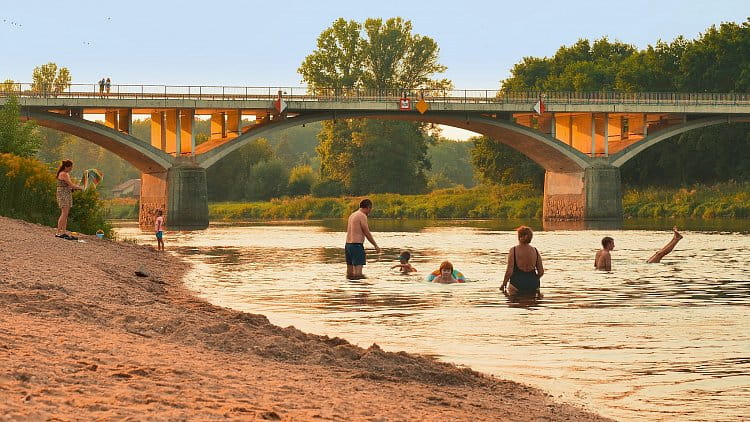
point(254, 43)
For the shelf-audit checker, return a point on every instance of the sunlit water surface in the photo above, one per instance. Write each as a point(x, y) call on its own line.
point(668, 341)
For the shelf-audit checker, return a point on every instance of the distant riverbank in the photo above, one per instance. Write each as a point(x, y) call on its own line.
point(725, 200)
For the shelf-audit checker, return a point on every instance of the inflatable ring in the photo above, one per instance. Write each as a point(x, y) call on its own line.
point(458, 275)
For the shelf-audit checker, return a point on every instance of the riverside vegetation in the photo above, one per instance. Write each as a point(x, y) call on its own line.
point(724, 200)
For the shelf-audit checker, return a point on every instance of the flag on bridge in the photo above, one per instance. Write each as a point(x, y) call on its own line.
point(279, 105)
point(539, 107)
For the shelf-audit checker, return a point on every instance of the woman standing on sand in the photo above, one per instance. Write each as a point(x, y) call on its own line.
point(65, 188)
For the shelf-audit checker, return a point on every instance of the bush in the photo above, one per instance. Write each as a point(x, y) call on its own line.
point(27, 192)
point(327, 188)
point(301, 180)
point(268, 179)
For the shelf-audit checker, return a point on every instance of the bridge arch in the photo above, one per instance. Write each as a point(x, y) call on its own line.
point(622, 157)
point(551, 154)
point(143, 156)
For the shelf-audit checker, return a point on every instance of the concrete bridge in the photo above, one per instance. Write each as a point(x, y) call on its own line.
point(581, 140)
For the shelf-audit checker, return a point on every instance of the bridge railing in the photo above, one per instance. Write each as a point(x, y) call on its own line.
point(209, 92)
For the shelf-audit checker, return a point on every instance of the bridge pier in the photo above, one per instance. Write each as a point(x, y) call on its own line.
point(592, 194)
point(181, 191)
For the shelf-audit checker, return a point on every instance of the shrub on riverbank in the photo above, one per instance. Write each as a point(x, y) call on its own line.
point(121, 208)
point(724, 200)
point(27, 192)
point(512, 201)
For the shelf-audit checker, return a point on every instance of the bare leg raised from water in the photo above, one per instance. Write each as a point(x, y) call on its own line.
point(661, 253)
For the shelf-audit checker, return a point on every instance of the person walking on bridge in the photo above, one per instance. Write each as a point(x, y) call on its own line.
point(357, 230)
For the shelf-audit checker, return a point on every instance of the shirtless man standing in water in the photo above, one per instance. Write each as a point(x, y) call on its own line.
point(603, 259)
point(356, 232)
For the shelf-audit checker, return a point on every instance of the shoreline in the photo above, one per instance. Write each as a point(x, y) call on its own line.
point(82, 336)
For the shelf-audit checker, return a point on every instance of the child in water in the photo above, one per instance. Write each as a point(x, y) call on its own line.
point(446, 274)
point(404, 266)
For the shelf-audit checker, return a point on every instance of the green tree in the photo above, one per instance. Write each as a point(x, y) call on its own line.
point(301, 180)
point(451, 163)
point(268, 179)
point(496, 163)
point(17, 138)
point(580, 67)
point(48, 78)
point(231, 179)
point(717, 61)
point(375, 55)
point(8, 86)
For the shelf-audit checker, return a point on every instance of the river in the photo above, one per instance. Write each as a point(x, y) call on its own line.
point(667, 341)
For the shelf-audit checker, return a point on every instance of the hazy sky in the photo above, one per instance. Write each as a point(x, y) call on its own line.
point(249, 43)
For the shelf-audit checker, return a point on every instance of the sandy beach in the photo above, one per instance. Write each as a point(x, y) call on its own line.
point(83, 338)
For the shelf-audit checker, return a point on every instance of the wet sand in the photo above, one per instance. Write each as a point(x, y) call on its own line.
point(82, 338)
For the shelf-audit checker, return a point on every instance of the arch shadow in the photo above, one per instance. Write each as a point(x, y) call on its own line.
point(548, 152)
point(143, 156)
point(622, 157)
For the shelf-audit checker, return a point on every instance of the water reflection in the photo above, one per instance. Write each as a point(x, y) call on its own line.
point(668, 341)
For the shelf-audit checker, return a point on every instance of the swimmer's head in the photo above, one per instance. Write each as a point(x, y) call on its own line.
point(608, 243)
point(524, 234)
point(404, 257)
point(446, 268)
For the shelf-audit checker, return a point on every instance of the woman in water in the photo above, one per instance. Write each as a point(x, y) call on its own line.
point(524, 266)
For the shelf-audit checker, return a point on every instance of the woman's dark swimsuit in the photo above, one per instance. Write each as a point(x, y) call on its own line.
point(524, 281)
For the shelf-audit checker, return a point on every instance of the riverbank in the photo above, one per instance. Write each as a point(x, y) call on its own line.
point(82, 337)
point(725, 200)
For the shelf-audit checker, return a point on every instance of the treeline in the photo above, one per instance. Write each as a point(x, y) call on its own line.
point(717, 61)
point(724, 200)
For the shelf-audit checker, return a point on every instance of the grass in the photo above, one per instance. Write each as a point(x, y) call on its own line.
point(724, 200)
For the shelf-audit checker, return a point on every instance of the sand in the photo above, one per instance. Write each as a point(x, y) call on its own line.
point(83, 338)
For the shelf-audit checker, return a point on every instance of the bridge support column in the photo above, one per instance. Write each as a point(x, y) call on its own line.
point(187, 197)
point(153, 198)
point(592, 194)
point(180, 193)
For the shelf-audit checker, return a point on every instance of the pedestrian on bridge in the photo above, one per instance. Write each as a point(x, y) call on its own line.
point(107, 85)
point(101, 87)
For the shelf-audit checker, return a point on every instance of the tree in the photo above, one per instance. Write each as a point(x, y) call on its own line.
point(451, 163)
point(231, 179)
point(376, 55)
point(8, 86)
point(496, 163)
point(301, 180)
point(268, 179)
point(47, 78)
point(580, 67)
point(717, 61)
point(16, 137)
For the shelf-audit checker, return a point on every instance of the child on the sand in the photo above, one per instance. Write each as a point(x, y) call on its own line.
point(159, 228)
point(404, 266)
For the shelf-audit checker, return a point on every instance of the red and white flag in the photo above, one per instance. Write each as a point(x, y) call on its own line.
point(279, 105)
point(539, 107)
